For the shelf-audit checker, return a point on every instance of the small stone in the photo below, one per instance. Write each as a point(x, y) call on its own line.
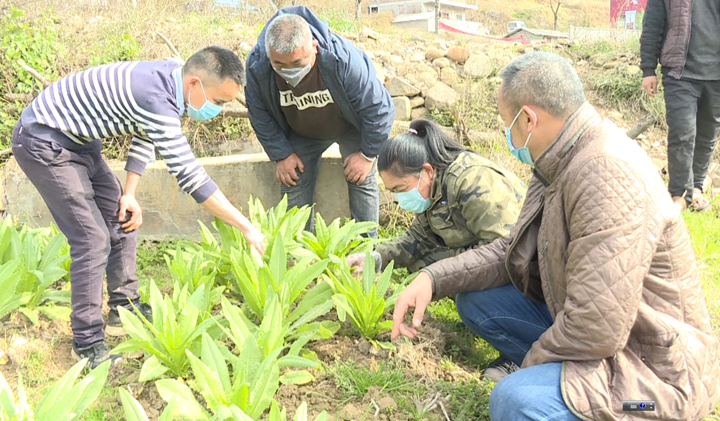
point(655, 144)
point(611, 64)
point(563, 41)
point(370, 55)
point(173, 20)
point(459, 54)
point(4, 358)
point(449, 76)
point(434, 53)
point(237, 26)
point(496, 80)
point(401, 87)
point(615, 116)
point(418, 101)
point(387, 403)
point(412, 79)
point(716, 180)
point(417, 57)
point(633, 70)
point(441, 44)
point(428, 79)
point(528, 50)
point(440, 96)
point(402, 111)
point(18, 351)
point(352, 412)
point(478, 66)
point(441, 63)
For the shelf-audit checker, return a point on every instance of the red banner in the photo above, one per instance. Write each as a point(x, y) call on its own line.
point(627, 13)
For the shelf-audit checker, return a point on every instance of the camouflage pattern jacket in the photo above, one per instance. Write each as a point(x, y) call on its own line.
point(474, 202)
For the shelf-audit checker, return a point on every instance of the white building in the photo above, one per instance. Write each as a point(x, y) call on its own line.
point(420, 14)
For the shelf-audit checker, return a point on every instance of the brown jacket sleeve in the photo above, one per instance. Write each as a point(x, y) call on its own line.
point(613, 226)
point(476, 269)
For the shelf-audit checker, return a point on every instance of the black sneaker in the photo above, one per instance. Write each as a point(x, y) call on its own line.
point(499, 369)
point(114, 325)
point(96, 354)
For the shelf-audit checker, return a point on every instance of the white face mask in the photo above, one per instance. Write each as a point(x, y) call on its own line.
point(294, 75)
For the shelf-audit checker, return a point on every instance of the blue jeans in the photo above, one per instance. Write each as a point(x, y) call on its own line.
point(364, 197)
point(511, 323)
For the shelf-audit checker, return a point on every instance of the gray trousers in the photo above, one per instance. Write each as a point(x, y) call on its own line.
point(364, 197)
point(83, 196)
point(693, 117)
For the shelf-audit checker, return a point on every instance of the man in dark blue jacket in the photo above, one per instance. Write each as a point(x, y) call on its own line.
point(308, 88)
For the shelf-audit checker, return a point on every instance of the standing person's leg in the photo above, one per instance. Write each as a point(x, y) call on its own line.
point(531, 394)
point(681, 107)
point(364, 197)
point(507, 320)
point(708, 122)
point(62, 177)
point(303, 192)
point(122, 280)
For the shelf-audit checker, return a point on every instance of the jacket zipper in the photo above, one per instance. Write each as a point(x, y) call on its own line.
point(687, 43)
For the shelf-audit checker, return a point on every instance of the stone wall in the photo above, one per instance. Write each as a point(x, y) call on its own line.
point(170, 213)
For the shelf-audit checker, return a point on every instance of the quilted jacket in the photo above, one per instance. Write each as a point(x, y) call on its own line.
point(665, 36)
point(474, 202)
point(600, 242)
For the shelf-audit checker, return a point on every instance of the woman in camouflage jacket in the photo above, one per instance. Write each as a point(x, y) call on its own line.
point(461, 199)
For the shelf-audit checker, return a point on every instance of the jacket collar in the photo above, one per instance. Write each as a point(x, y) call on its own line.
point(556, 157)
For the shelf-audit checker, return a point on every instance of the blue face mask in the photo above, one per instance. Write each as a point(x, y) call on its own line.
point(413, 201)
point(206, 112)
point(523, 154)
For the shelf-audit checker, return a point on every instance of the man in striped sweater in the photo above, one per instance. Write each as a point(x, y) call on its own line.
point(57, 143)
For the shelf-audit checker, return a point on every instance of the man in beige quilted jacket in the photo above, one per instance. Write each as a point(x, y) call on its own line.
point(595, 292)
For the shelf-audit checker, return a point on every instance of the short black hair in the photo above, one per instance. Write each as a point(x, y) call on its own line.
point(217, 62)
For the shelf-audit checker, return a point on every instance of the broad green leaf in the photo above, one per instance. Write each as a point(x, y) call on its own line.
point(152, 369)
point(133, 325)
point(208, 383)
point(31, 314)
point(263, 390)
point(296, 361)
point(87, 391)
point(297, 377)
point(186, 404)
point(133, 410)
point(213, 358)
point(55, 312)
point(57, 392)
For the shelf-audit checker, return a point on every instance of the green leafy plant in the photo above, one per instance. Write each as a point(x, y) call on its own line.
point(178, 324)
point(255, 280)
point(40, 265)
point(275, 334)
point(193, 270)
point(135, 412)
point(66, 400)
point(9, 279)
point(112, 49)
point(335, 242)
point(364, 300)
point(300, 414)
point(272, 222)
point(251, 388)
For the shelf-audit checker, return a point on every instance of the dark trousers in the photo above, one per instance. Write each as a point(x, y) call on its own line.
point(693, 117)
point(83, 196)
point(364, 197)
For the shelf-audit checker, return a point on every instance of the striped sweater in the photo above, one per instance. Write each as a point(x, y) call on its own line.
point(142, 99)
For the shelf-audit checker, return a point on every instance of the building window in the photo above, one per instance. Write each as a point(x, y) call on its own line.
point(459, 17)
point(444, 14)
point(373, 9)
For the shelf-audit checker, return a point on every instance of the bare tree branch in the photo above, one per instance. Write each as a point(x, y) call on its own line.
point(35, 74)
point(170, 45)
point(7, 151)
point(640, 127)
point(19, 97)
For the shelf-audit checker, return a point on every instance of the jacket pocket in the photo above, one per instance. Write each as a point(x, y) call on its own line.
point(441, 217)
point(666, 361)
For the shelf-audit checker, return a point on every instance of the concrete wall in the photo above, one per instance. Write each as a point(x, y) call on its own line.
point(168, 212)
point(599, 34)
